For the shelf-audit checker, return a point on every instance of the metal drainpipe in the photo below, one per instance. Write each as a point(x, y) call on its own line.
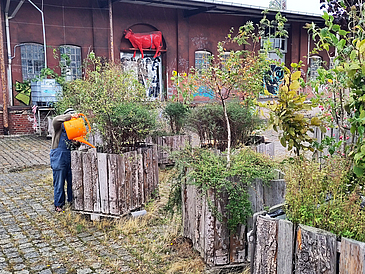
point(44, 34)
point(111, 30)
point(10, 80)
point(3, 82)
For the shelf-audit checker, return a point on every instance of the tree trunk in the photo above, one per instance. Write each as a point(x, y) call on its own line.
point(229, 134)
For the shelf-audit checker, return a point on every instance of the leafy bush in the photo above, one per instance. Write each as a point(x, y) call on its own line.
point(175, 113)
point(208, 122)
point(325, 197)
point(105, 94)
point(208, 170)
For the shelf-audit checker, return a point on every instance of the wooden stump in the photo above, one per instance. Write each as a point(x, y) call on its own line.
point(352, 258)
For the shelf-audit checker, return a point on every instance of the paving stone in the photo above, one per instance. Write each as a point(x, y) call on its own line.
point(84, 271)
point(16, 260)
point(46, 271)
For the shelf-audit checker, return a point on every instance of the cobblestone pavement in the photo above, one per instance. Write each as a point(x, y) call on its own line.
point(35, 239)
point(18, 152)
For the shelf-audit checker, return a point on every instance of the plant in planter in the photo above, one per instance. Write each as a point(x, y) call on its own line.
point(114, 101)
point(208, 122)
point(176, 113)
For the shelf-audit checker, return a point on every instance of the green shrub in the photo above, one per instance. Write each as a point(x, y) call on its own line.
point(105, 95)
point(325, 197)
point(208, 171)
point(208, 122)
point(175, 113)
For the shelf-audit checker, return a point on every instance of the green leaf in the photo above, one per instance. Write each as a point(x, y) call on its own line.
point(353, 55)
point(358, 171)
point(283, 141)
point(342, 32)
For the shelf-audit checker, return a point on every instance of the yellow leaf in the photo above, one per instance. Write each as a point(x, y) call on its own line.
point(296, 75)
point(294, 85)
point(316, 121)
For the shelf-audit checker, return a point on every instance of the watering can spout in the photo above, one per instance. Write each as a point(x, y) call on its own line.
point(76, 130)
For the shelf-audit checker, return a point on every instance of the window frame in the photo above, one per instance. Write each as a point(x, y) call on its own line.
point(72, 71)
point(32, 62)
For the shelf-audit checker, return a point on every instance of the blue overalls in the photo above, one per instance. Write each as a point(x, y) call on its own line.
point(61, 167)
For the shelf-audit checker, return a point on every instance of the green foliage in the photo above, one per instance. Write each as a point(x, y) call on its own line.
point(325, 197)
point(208, 122)
point(208, 171)
point(346, 79)
point(175, 113)
point(287, 114)
point(100, 95)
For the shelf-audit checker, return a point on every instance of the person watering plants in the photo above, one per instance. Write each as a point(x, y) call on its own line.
point(60, 157)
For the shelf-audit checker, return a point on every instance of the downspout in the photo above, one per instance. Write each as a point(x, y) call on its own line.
point(3, 81)
point(111, 30)
point(8, 46)
point(44, 34)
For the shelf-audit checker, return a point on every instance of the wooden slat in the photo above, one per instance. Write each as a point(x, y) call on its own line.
point(315, 251)
point(77, 180)
point(155, 171)
point(134, 181)
point(285, 240)
point(352, 258)
point(221, 232)
point(88, 181)
point(103, 182)
point(209, 231)
point(122, 198)
point(266, 246)
point(128, 179)
point(140, 177)
point(95, 181)
point(113, 183)
point(237, 246)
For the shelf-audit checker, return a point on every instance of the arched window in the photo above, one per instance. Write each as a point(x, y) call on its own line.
point(32, 57)
point(71, 62)
point(202, 59)
point(314, 63)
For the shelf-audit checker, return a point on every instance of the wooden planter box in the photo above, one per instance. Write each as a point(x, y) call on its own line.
point(281, 247)
point(168, 144)
point(210, 237)
point(113, 185)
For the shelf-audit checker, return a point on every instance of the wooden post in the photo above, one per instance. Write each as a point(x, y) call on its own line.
point(122, 196)
point(103, 182)
point(221, 232)
point(352, 258)
point(128, 177)
point(315, 251)
point(285, 251)
point(77, 180)
point(87, 169)
point(266, 246)
point(113, 183)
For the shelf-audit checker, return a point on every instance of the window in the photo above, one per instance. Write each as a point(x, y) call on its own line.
point(71, 62)
point(202, 59)
point(276, 42)
point(32, 57)
point(314, 63)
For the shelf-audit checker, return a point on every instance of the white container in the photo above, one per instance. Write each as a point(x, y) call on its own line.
point(44, 91)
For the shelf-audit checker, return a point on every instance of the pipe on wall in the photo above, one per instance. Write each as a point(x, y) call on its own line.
point(3, 82)
point(111, 30)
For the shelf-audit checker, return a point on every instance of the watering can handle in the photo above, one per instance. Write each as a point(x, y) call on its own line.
point(87, 121)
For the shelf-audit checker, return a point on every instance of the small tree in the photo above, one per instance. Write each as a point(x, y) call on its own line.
point(237, 74)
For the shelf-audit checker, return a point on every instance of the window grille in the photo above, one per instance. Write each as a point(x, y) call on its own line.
point(71, 62)
point(32, 57)
point(202, 59)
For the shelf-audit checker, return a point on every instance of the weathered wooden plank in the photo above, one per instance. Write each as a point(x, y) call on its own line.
point(209, 231)
point(77, 180)
point(140, 177)
point(221, 232)
point(237, 245)
point(122, 199)
point(95, 181)
point(285, 240)
point(88, 181)
point(155, 171)
point(103, 182)
point(266, 246)
point(315, 251)
point(113, 183)
point(273, 193)
point(352, 257)
point(128, 180)
point(134, 180)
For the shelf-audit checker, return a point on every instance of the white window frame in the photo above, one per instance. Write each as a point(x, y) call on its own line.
point(314, 63)
point(202, 59)
point(32, 60)
point(72, 71)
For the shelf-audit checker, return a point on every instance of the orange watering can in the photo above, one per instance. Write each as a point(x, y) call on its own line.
point(76, 130)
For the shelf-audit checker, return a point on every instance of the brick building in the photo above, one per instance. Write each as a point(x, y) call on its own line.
point(190, 31)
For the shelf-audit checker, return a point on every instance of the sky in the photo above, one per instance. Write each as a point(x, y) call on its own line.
point(309, 6)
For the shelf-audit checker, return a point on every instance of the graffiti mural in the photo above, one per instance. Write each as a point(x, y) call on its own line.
point(147, 70)
point(273, 79)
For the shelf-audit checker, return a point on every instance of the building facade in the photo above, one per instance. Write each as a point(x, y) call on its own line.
point(32, 31)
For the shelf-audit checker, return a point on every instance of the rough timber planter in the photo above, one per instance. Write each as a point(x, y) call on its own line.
point(111, 184)
point(283, 248)
point(210, 237)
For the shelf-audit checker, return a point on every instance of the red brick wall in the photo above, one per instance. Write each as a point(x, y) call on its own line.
point(20, 121)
